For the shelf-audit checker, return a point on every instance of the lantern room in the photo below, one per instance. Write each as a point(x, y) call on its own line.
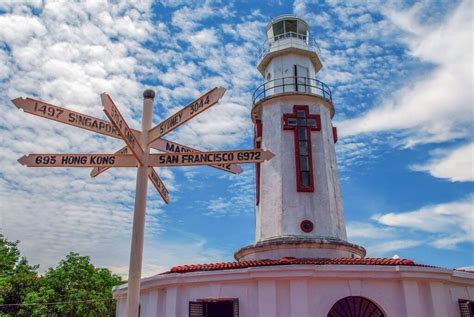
point(288, 34)
point(287, 26)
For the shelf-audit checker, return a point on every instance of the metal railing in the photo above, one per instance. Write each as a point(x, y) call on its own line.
point(304, 85)
point(267, 45)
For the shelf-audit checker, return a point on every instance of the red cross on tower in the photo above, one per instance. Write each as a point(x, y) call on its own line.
point(302, 123)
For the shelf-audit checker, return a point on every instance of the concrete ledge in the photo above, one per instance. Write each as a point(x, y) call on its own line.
point(299, 247)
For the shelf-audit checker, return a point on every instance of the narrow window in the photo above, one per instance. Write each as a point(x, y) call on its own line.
point(290, 27)
point(302, 123)
point(278, 30)
point(302, 30)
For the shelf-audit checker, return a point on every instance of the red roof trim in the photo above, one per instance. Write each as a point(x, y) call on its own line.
point(291, 261)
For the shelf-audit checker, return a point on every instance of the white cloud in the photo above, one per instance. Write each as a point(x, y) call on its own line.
point(240, 198)
point(379, 240)
point(456, 165)
point(436, 106)
point(387, 247)
point(20, 29)
point(444, 226)
point(449, 223)
point(366, 230)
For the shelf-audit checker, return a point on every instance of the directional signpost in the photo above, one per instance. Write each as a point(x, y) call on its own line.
point(137, 154)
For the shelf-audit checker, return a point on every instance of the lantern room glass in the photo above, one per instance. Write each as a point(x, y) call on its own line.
point(290, 28)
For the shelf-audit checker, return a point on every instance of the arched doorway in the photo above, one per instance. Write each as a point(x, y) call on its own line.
point(355, 306)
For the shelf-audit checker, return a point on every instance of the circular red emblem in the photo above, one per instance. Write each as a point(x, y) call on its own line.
point(306, 226)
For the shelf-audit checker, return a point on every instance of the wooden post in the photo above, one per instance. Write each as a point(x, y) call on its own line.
point(136, 252)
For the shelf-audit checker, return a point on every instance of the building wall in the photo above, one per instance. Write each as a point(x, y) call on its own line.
point(299, 291)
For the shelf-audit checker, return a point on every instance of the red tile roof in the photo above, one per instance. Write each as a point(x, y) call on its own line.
point(290, 261)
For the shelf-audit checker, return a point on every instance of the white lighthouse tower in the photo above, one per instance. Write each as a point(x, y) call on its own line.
point(301, 264)
point(299, 207)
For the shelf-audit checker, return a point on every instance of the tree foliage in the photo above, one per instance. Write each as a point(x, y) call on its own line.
point(17, 277)
point(74, 288)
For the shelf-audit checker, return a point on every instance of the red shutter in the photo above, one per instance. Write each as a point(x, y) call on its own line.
point(196, 309)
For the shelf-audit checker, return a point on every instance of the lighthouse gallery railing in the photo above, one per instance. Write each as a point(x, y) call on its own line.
point(304, 85)
point(309, 43)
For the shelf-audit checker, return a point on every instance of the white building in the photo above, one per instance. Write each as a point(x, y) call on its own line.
point(301, 263)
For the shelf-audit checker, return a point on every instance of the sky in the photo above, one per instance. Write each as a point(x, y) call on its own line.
point(401, 74)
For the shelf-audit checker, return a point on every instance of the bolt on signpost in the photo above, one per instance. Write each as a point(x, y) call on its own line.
point(137, 154)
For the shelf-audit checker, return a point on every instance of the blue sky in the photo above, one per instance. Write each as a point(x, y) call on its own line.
point(401, 75)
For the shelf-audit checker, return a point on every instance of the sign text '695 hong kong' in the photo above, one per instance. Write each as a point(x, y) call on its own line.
point(78, 160)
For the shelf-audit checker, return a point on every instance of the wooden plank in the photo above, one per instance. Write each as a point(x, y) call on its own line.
point(97, 170)
point(122, 127)
point(63, 115)
point(212, 157)
point(190, 111)
point(172, 147)
point(78, 160)
point(159, 185)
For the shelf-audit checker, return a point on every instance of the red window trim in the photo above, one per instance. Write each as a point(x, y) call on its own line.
point(286, 116)
point(334, 134)
point(258, 144)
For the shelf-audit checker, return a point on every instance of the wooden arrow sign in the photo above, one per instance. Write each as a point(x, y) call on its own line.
point(78, 160)
point(172, 147)
point(122, 127)
point(212, 157)
point(76, 119)
point(159, 185)
point(190, 111)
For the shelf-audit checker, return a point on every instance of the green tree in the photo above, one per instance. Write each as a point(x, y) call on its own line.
point(76, 287)
point(17, 277)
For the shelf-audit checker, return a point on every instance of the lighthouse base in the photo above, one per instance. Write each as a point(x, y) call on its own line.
point(299, 247)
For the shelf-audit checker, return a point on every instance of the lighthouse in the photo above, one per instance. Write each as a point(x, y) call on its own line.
point(301, 264)
point(299, 210)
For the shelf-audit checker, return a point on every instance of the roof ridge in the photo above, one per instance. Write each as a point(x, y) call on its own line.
point(292, 261)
